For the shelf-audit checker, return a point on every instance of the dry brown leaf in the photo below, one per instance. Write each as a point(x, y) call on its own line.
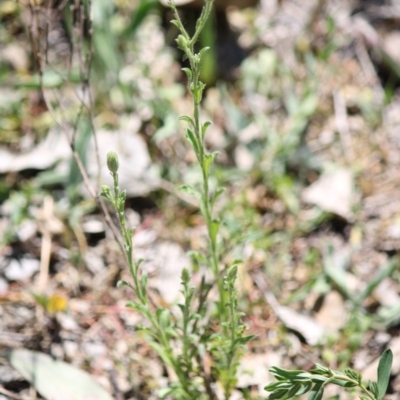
point(332, 192)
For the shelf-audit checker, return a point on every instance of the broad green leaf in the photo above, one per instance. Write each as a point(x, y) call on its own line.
point(384, 369)
point(56, 380)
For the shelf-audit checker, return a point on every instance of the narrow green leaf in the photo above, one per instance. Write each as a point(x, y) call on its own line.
point(382, 273)
point(277, 386)
point(188, 73)
point(316, 392)
point(161, 352)
point(204, 127)
point(304, 388)
point(165, 318)
point(186, 118)
point(143, 280)
point(121, 283)
point(246, 339)
point(195, 255)
point(176, 23)
point(280, 373)
point(318, 378)
point(208, 160)
point(293, 390)
point(163, 393)
point(373, 388)
point(384, 369)
point(353, 374)
point(190, 190)
point(201, 54)
point(278, 395)
point(216, 195)
point(191, 137)
point(342, 383)
point(214, 228)
point(321, 369)
point(337, 275)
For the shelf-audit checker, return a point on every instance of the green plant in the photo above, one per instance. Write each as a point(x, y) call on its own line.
point(203, 327)
point(295, 383)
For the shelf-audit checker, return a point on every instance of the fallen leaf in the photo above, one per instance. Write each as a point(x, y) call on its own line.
point(332, 314)
point(43, 156)
point(56, 380)
point(303, 324)
point(332, 192)
point(165, 260)
point(254, 370)
point(21, 269)
point(136, 173)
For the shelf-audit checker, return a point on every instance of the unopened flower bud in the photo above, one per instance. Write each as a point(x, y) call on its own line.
point(182, 42)
point(112, 162)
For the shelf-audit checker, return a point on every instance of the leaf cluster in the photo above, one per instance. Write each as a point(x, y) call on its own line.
point(291, 383)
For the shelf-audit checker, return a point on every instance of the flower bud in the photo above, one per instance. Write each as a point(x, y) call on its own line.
point(112, 162)
point(182, 42)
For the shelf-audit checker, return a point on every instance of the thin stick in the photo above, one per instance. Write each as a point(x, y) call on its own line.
point(342, 125)
point(45, 251)
point(10, 394)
